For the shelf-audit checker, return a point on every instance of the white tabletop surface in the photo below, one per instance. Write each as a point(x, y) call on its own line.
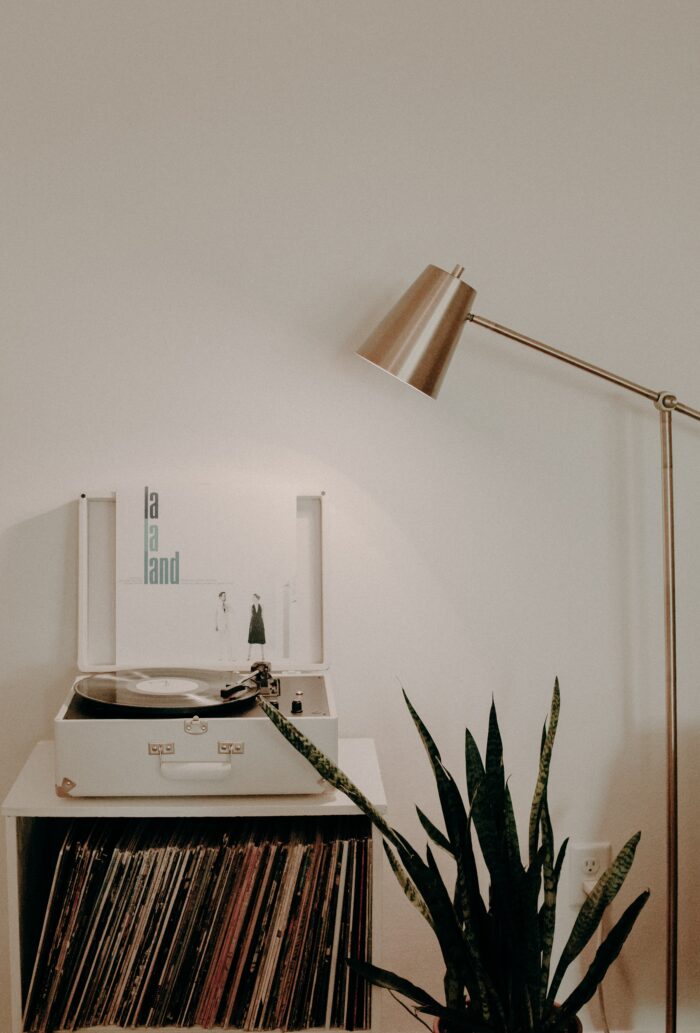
point(33, 793)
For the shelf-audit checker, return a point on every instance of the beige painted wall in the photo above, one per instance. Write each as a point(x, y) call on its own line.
point(205, 207)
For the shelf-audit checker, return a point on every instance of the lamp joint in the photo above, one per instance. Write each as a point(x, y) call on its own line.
point(666, 401)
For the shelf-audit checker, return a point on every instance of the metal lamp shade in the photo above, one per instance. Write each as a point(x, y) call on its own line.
point(415, 341)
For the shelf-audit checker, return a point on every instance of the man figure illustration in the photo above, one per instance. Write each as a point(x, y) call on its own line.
point(222, 627)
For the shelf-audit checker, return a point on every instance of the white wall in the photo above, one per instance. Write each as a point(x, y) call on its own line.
point(205, 208)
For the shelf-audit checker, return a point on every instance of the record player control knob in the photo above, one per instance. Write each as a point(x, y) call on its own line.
point(297, 706)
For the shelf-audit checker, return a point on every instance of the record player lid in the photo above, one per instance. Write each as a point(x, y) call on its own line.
point(292, 609)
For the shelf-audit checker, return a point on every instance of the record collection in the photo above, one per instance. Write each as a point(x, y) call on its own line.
point(239, 923)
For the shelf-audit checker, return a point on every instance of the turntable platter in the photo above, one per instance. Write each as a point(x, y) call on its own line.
point(170, 693)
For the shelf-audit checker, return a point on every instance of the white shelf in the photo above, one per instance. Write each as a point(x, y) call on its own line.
point(33, 794)
point(32, 800)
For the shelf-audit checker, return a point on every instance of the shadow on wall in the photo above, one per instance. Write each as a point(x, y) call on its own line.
point(38, 645)
point(689, 873)
point(636, 981)
point(38, 631)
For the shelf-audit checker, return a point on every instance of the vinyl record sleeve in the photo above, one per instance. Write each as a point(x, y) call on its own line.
point(182, 551)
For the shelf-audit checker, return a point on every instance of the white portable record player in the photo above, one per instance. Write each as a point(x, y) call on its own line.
point(156, 730)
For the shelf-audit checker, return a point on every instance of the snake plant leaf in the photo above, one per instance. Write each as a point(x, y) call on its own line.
point(438, 837)
point(547, 917)
point(427, 880)
point(453, 809)
point(521, 943)
point(546, 833)
point(523, 915)
point(488, 833)
point(494, 788)
point(406, 883)
point(470, 934)
point(432, 889)
point(428, 884)
point(460, 950)
point(604, 957)
point(325, 767)
point(456, 949)
point(511, 833)
point(592, 909)
point(543, 772)
point(474, 766)
point(493, 760)
point(560, 861)
point(528, 931)
point(541, 806)
point(457, 826)
point(419, 873)
point(424, 880)
point(390, 981)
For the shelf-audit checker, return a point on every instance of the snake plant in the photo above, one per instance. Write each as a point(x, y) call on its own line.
point(497, 952)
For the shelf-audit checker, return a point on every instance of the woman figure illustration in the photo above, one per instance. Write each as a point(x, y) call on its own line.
point(222, 627)
point(256, 629)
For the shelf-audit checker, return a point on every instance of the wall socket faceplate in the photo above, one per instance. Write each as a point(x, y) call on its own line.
point(587, 862)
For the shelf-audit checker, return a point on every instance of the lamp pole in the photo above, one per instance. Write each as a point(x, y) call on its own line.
point(671, 721)
point(415, 343)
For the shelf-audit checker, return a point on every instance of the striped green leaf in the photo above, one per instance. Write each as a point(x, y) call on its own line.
point(326, 768)
point(543, 772)
point(493, 760)
point(458, 945)
point(444, 922)
point(453, 809)
point(428, 884)
point(591, 913)
point(547, 917)
point(604, 957)
point(390, 981)
point(438, 837)
point(467, 891)
point(489, 835)
point(511, 833)
point(406, 883)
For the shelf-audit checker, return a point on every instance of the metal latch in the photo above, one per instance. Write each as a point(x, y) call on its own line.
point(231, 747)
point(64, 789)
point(160, 749)
point(195, 726)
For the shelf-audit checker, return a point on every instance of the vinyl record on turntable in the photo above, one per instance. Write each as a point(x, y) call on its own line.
point(164, 693)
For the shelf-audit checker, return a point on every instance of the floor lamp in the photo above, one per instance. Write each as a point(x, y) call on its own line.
point(415, 343)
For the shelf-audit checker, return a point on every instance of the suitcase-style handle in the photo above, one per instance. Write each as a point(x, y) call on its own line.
point(195, 770)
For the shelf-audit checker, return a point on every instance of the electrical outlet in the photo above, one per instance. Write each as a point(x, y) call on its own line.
point(587, 862)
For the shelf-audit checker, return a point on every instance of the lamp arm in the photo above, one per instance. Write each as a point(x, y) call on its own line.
point(663, 399)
